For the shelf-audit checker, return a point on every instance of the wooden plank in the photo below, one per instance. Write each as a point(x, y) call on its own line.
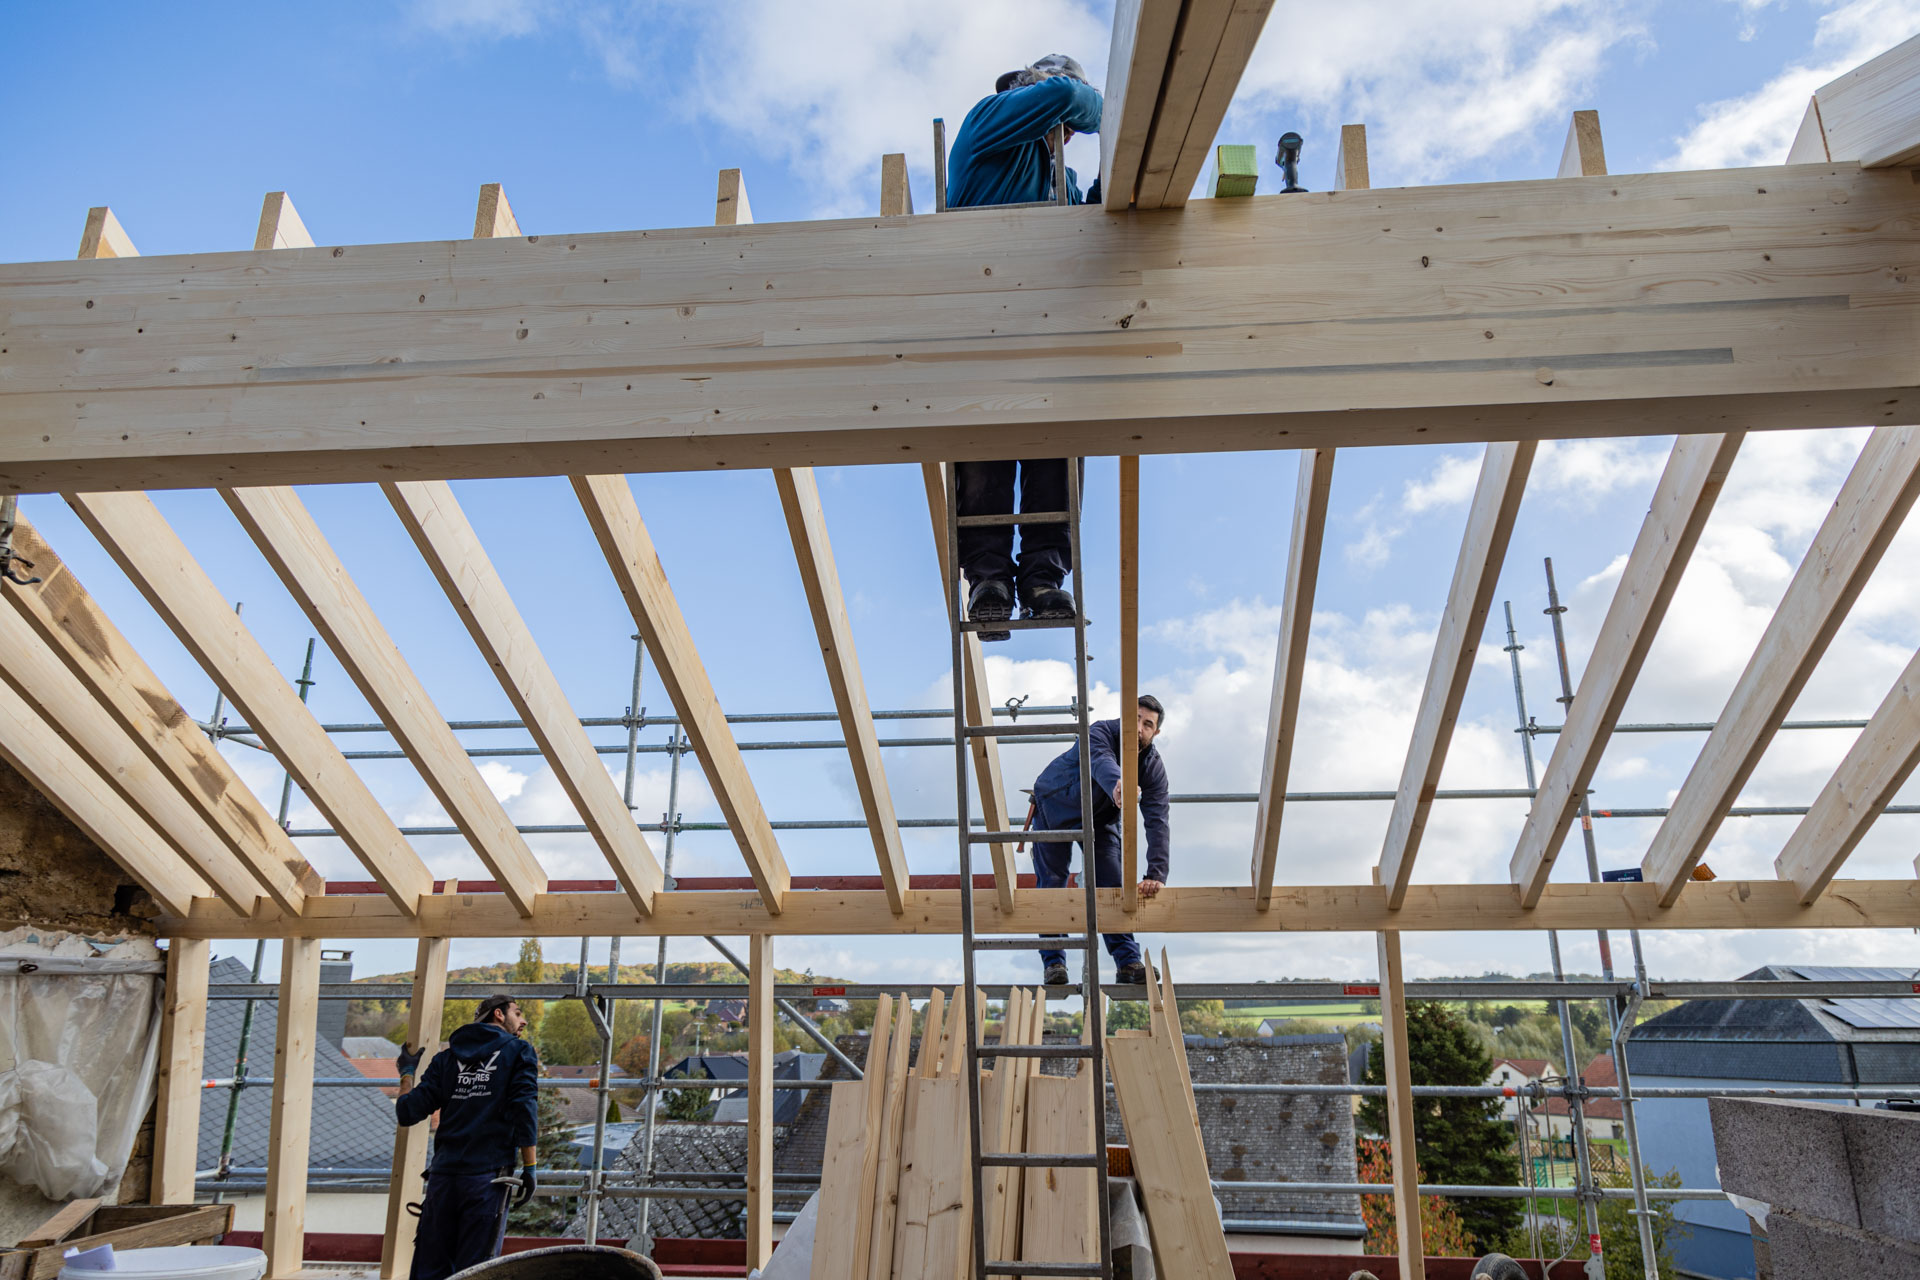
point(70, 710)
point(280, 224)
point(1585, 155)
point(1438, 908)
point(1400, 1111)
point(1483, 549)
point(848, 1142)
point(1211, 49)
point(290, 538)
point(72, 625)
point(1136, 65)
point(760, 1100)
point(424, 1012)
point(624, 540)
point(1810, 142)
point(43, 757)
point(730, 205)
point(453, 551)
point(886, 1196)
point(979, 707)
point(65, 1220)
point(1310, 497)
point(1060, 1211)
point(284, 1235)
point(1879, 762)
point(933, 1042)
point(281, 356)
point(494, 216)
point(1351, 172)
point(104, 237)
point(1874, 500)
point(896, 190)
point(1169, 1162)
point(151, 554)
point(935, 1216)
point(126, 1227)
point(183, 1046)
point(1872, 113)
point(1689, 486)
point(862, 1212)
point(1129, 683)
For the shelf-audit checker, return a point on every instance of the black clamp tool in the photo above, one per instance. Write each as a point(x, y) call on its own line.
point(1289, 161)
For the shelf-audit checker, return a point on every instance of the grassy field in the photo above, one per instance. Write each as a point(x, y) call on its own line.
point(1315, 1011)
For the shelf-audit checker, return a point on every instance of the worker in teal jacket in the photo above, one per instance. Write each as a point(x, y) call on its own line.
point(1002, 156)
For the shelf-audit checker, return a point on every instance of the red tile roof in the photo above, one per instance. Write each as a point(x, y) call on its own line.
point(1599, 1074)
point(1533, 1068)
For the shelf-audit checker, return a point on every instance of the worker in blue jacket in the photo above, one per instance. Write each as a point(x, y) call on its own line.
point(485, 1085)
point(1056, 807)
point(1002, 156)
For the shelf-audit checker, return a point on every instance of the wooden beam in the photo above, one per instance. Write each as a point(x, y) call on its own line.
point(1129, 683)
point(151, 554)
point(611, 510)
point(71, 623)
point(1689, 486)
point(104, 237)
point(759, 1101)
point(1870, 115)
point(1872, 503)
point(410, 1141)
point(891, 342)
point(1584, 156)
point(1496, 502)
point(1310, 496)
point(183, 1045)
point(1395, 1054)
point(44, 758)
point(1211, 48)
point(288, 536)
point(280, 225)
point(896, 190)
point(1351, 172)
point(452, 549)
point(979, 706)
point(730, 204)
point(1725, 904)
point(1136, 65)
point(291, 1128)
point(1879, 762)
point(1810, 142)
point(66, 706)
point(494, 216)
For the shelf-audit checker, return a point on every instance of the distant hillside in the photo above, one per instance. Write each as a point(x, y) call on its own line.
point(685, 972)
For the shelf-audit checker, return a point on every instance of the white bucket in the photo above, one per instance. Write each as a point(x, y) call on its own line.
point(180, 1262)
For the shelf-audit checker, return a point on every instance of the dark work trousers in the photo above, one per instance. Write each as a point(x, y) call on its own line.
point(986, 552)
point(1053, 861)
point(460, 1219)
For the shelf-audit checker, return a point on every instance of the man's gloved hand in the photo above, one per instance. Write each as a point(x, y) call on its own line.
point(408, 1059)
point(528, 1181)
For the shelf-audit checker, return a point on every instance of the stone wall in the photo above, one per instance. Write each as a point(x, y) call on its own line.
point(53, 877)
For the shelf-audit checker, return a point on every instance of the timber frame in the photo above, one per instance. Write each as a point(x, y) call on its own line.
point(1704, 304)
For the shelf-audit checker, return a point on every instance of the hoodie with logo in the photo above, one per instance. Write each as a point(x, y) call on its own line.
point(485, 1086)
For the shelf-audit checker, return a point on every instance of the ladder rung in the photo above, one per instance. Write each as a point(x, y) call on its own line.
point(1017, 730)
point(1044, 1160)
point(1015, 837)
point(1044, 1269)
point(1036, 1051)
point(1019, 624)
point(1022, 517)
point(1066, 942)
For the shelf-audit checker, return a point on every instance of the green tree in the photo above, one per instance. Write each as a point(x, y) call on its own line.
point(1456, 1140)
point(1562, 1225)
point(547, 1215)
point(529, 967)
point(687, 1104)
point(567, 1035)
point(1128, 1015)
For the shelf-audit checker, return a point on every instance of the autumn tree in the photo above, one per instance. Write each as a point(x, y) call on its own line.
point(1442, 1233)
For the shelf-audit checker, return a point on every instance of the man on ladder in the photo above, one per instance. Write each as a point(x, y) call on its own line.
point(1056, 804)
point(1002, 156)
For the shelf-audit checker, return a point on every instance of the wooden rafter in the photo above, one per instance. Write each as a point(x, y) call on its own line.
point(1870, 115)
point(628, 547)
point(1877, 494)
point(1211, 46)
point(1129, 683)
point(74, 628)
point(1483, 549)
point(1751, 298)
point(151, 554)
point(1136, 64)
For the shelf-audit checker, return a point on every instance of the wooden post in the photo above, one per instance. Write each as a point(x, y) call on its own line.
point(760, 1101)
point(292, 1126)
point(183, 1043)
point(1400, 1137)
point(1129, 683)
point(410, 1143)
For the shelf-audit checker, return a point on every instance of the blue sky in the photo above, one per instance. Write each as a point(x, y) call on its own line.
point(382, 121)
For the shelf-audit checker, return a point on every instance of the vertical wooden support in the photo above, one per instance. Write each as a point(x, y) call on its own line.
point(1350, 171)
point(1400, 1137)
point(292, 1126)
point(896, 192)
point(760, 1101)
point(1584, 156)
point(1129, 683)
point(410, 1142)
point(183, 1043)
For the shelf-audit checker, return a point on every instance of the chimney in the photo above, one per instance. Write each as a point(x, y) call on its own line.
point(335, 966)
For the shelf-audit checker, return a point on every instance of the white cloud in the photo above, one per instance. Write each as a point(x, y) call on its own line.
point(1449, 484)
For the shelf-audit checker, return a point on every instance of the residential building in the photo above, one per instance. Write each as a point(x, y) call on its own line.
point(1517, 1073)
point(1602, 1118)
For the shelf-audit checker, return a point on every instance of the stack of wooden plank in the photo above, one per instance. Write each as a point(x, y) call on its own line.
point(89, 1224)
point(896, 1185)
point(1154, 1090)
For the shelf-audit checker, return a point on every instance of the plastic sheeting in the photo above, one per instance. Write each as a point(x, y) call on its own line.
point(79, 1043)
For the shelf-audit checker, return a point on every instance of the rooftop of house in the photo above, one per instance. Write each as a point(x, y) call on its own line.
point(1598, 1074)
point(1531, 1068)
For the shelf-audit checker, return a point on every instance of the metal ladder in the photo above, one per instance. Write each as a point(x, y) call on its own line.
point(1085, 941)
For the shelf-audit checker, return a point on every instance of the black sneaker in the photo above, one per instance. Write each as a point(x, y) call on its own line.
point(1057, 975)
point(1047, 602)
point(1131, 975)
point(991, 601)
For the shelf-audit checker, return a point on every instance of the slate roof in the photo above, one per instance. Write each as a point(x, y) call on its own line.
point(680, 1148)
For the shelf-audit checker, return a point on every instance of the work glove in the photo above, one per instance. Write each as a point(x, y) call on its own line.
point(528, 1181)
point(408, 1059)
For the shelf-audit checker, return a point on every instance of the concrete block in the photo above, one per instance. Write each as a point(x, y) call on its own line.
point(1883, 1150)
point(1792, 1155)
point(1806, 1248)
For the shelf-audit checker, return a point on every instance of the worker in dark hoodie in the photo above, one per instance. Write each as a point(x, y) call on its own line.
point(485, 1085)
point(1002, 156)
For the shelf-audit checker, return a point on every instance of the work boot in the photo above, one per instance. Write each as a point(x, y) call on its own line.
point(1131, 975)
point(991, 601)
point(1047, 602)
point(1057, 975)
